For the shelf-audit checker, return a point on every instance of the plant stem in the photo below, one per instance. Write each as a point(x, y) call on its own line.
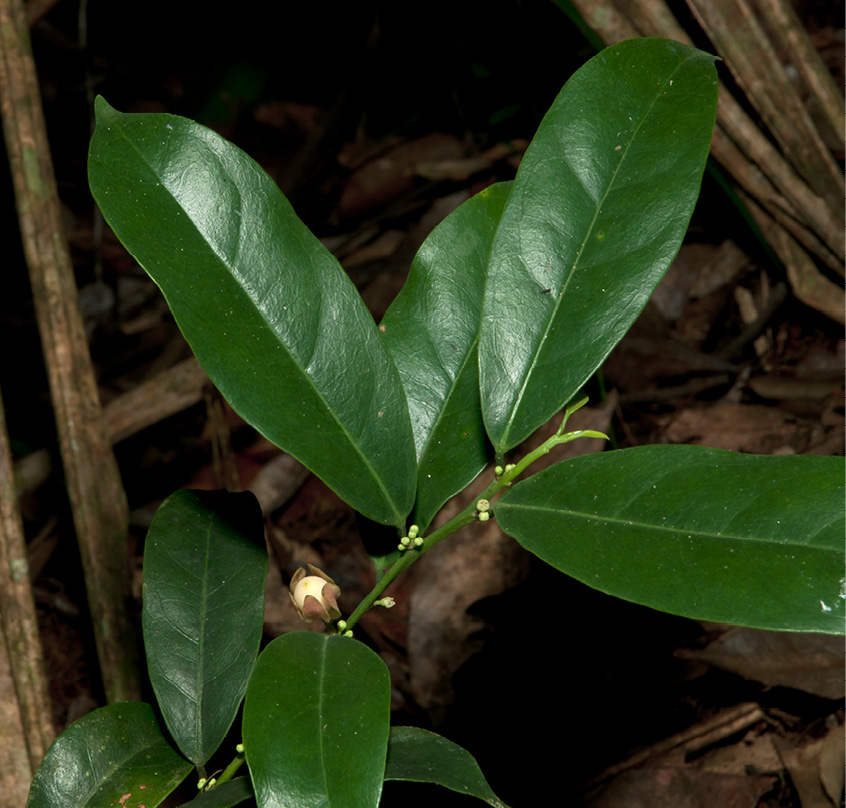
point(470, 514)
point(408, 558)
point(232, 768)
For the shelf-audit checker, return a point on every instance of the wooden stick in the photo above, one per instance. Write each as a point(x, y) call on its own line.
point(733, 27)
point(97, 499)
point(19, 622)
point(724, 724)
point(793, 38)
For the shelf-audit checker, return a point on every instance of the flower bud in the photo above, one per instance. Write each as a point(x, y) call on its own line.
point(315, 595)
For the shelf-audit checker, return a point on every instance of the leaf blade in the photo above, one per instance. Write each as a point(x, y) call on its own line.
point(115, 755)
point(316, 723)
point(424, 757)
point(205, 566)
point(270, 314)
point(432, 330)
point(704, 533)
point(598, 210)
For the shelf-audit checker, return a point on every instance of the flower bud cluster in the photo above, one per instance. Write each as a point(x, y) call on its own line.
point(483, 510)
point(412, 540)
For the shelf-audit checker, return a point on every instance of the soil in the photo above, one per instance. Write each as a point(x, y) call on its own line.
point(375, 122)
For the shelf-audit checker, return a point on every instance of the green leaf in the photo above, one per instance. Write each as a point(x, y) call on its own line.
point(270, 314)
point(424, 757)
point(704, 533)
point(597, 212)
point(225, 795)
point(316, 723)
point(205, 565)
point(113, 756)
point(432, 331)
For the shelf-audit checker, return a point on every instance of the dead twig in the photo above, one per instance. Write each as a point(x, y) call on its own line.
point(93, 482)
point(687, 742)
point(20, 631)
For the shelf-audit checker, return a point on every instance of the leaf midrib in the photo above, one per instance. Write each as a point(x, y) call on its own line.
point(572, 271)
point(629, 523)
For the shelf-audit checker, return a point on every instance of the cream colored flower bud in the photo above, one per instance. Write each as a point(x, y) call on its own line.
point(315, 594)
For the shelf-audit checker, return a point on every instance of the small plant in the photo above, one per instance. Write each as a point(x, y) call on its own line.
point(510, 306)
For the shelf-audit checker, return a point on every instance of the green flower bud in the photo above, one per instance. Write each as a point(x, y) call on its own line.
point(484, 516)
point(413, 531)
point(201, 783)
point(483, 505)
point(498, 471)
point(418, 541)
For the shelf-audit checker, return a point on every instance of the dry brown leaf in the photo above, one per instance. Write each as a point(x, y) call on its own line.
point(831, 764)
point(812, 663)
point(740, 428)
point(753, 753)
point(802, 761)
point(682, 788)
point(391, 175)
point(383, 246)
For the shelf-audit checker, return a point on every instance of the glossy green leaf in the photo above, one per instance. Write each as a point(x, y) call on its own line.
point(432, 331)
point(225, 795)
point(316, 723)
point(597, 212)
point(424, 757)
point(113, 756)
point(270, 314)
point(205, 565)
point(704, 533)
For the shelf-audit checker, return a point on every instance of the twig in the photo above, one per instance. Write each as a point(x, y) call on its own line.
point(793, 39)
point(723, 725)
point(733, 27)
point(98, 501)
point(19, 621)
point(806, 281)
